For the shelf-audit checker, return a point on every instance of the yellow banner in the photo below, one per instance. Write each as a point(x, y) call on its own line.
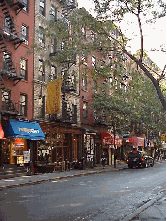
point(163, 137)
point(53, 97)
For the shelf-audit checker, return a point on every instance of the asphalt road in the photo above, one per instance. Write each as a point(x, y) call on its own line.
point(98, 197)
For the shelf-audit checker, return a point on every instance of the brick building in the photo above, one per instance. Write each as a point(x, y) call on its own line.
point(16, 76)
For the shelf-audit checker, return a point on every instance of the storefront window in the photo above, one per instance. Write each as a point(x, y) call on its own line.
point(89, 143)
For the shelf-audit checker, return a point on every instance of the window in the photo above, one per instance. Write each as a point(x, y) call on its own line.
point(62, 45)
point(24, 33)
point(64, 74)
point(93, 61)
point(42, 7)
point(23, 68)
point(83, 56)
point(41, 71)
point(53, 73)
point(8, 27)
point(84, 82)
point(83, 32)
point(53, 46)
point(25, 3)
point(6, 57)
point(53, 13)
point(23, 104)
point(41, 37)
point(92, 36)
point(74, 113)
point(5, 100)
point(85, 111)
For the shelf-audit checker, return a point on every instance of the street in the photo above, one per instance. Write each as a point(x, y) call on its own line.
point(106, 196)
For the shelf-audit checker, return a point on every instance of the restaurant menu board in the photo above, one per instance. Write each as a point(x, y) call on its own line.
point(26, 156)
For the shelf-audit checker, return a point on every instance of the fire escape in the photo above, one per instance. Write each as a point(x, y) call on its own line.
point(68, 112)
point(8, 72)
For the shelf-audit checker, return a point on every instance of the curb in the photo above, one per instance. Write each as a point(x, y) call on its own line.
point(142, 208)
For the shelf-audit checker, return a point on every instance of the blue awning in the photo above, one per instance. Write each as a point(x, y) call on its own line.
point(24, 130)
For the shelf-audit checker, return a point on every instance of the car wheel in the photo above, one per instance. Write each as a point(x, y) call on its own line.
point(130, 166)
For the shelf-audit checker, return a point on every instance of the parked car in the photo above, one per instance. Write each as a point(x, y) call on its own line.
point(139, 159)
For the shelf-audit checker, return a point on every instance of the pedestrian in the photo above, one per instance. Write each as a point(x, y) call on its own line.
point(103, 159)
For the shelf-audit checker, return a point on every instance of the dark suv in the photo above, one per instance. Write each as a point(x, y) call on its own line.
point(139, 159)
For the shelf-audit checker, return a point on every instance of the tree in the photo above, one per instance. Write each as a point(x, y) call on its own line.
point(142, 10)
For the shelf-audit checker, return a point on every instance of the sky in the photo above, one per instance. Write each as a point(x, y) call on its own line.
point(154, 35)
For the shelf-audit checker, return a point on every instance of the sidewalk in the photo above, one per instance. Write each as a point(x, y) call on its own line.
point(21, 179)
point(157, 211)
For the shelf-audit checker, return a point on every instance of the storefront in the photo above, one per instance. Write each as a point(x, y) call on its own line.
point(21, 141)
point(62, 143)
point(88, 137)
point(109, 145)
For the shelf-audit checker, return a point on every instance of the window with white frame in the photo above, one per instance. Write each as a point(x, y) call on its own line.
point(93, 61)
point(41, 71)
point(8, 26)
point(42, 7)
point(41, 37)
point(25, 2)
point(83, 56)
point(53, 73)
point(83, 30)
point(53, 12)
point(23, 104)
point(24, 33)
point(23, 68)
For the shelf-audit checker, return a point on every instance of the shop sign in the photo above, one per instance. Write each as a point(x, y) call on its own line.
point(107, 138)
point(130, 140)
point(26, 156)
point(140, 141)
point(27, 130)
point(19, 142)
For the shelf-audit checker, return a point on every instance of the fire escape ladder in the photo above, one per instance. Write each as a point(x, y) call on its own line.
point(8, 69)
point(14, 37)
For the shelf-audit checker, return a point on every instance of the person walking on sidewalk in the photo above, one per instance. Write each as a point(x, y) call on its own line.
point(103, 159)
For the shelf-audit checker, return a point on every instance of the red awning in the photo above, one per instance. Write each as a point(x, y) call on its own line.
point(1, 132)
point(108, 138)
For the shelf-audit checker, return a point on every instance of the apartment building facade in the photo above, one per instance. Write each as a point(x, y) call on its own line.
point(62, 128)
point(16, 76)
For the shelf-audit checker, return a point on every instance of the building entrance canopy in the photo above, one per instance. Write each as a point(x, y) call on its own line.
point(24, 130)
